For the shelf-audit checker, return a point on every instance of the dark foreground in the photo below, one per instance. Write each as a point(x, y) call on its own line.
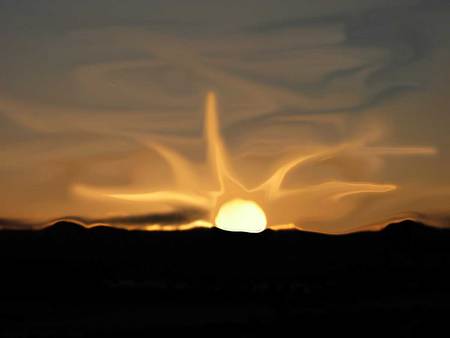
point(67, 281)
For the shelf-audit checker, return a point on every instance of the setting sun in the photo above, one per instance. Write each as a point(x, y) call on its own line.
point(241, 215)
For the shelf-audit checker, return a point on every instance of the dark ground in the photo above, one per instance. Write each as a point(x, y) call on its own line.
point(68, 281)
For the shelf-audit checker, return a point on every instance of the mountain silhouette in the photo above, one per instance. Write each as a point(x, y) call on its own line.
point(65, 227)
point(68, 280)
point(408, 228)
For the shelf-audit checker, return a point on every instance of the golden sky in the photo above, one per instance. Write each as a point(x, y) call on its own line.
point(91, 91)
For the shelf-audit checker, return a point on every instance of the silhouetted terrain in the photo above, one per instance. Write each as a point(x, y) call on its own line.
point(68, 281)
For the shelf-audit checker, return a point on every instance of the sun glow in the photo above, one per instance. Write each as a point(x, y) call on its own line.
point(241, 215)
point(230, 203)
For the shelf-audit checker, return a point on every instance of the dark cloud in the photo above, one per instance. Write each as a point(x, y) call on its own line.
point(177, 217)
point(13, 223)
point(409, 31)
point(169, 218)
point(274, 26)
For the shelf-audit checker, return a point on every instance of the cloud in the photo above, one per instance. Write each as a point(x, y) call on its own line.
point(177, 217)
point(12, 223)
point(181, 216)
point(83, 97)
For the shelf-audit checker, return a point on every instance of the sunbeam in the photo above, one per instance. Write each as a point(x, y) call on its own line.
point(232, 204)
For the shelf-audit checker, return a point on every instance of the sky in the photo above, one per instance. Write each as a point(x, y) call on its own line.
point(92, 90)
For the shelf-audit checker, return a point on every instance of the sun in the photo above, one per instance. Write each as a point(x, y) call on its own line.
point(241, 215)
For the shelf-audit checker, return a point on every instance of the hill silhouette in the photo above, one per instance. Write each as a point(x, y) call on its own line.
point(65, 227)
point(67, 280)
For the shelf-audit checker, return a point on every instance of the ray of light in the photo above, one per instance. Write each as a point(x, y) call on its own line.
point(336, 190)
point(272, 185)
point(359, 188)
point(169, 197)
point(181, 169)
point(216, 150)
point(190, 193)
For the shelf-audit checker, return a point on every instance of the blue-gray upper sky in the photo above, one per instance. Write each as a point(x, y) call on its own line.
point(88, 87)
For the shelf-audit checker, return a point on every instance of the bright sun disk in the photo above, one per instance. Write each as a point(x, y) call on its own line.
point(241, 215)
